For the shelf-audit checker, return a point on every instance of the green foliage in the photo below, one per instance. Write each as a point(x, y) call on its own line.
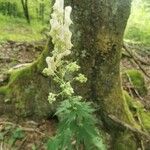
point(37, 9)
point(18, 30)
point(9, 8)
point(18, 134)
point(77, 127)
point(10, 134)
point(13, 24)
point(138, 28)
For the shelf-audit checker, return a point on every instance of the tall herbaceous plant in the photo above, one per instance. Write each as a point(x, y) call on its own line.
point(76, 128)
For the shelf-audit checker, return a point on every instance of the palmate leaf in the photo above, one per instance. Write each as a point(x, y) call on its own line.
point(66, 137)
point(77, 123)
point(64, 108)
point(53, 143)
point(91, 139)
point(97, 141)
point(62, 141)
point(18, 134)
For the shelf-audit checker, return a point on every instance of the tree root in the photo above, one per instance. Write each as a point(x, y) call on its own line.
point(124, 126)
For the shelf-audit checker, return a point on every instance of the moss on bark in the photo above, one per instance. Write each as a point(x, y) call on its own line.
point(138, 111)
point(26, 93)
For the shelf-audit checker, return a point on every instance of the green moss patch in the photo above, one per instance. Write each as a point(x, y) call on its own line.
point(145, 118)
point(141, 115)
point(125, 141)
point(4, 90)
point(137, 80)
point(128, 107)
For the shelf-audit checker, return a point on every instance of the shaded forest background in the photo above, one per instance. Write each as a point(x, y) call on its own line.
point(15, 26)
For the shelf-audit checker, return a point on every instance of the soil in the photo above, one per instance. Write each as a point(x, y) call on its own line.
point(34, 135)
point(12, 53)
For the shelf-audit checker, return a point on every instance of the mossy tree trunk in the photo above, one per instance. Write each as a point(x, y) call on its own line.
point(98, 27)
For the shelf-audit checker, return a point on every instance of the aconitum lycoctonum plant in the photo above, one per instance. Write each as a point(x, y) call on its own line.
point(58, 66)
point(76, 127)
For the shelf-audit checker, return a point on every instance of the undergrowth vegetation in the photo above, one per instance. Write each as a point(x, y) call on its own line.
point(138, 28)
point(13, 23)
point(17, 29)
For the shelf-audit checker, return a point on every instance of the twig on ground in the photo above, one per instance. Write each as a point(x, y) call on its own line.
point(136, 61)
point(8, 59)
point(141, 60)
point(23, 128)
point(22, 143)
point(31, 130)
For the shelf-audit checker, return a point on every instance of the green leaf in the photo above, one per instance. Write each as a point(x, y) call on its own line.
point(97, 141)
point(53, 144)
point(66, 137)
point(18, 134)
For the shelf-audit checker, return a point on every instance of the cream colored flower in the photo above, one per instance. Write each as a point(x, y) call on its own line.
point(50, 70)
point(81, 78)
point(61, 55)
point(68, 20)
point(51, 98)
point(59, 5)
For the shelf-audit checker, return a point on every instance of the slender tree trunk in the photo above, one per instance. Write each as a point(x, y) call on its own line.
point(25, 10)
point(41, 11)
point(98, 27)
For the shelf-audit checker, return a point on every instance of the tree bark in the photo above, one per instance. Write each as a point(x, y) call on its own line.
point(98, 27)
point(98, 34)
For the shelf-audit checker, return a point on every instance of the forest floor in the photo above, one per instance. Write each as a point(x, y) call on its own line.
point(137, 56)
point(31, 135)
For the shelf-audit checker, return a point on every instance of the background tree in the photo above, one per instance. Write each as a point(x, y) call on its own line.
point(25, 9)
point(98, 32)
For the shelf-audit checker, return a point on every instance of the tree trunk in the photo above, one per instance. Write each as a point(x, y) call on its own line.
point(25, 10)
point(98, 27)
point(98, 34)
